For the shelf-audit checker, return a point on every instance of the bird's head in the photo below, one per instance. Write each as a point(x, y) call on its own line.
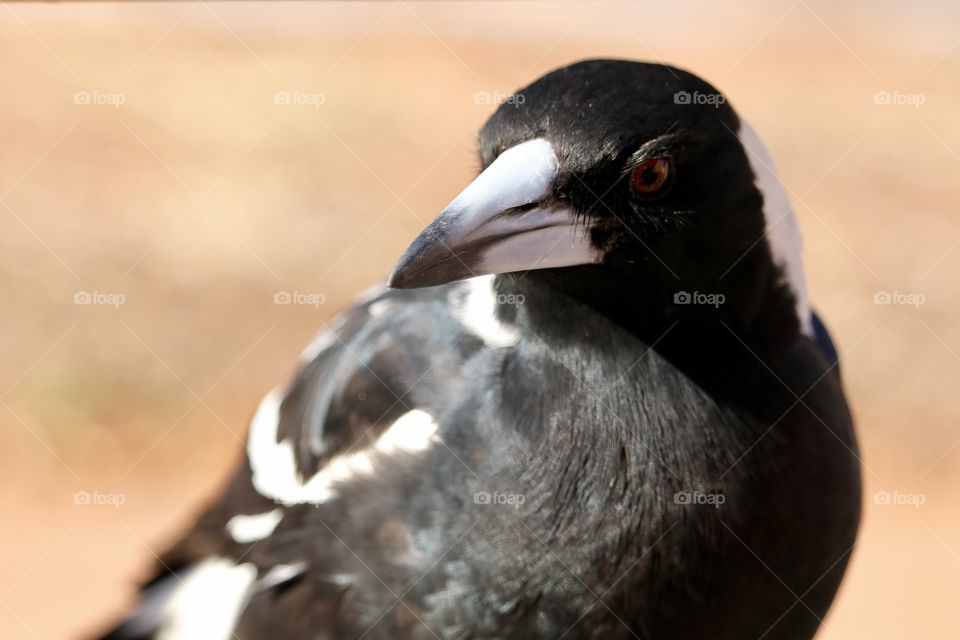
point(632, 179)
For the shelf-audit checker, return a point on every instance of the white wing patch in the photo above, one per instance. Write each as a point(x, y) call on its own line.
point(782, 229)
point(246, 529)
point(272, 462)
point(275, 473)
point(474, 305)
point(412, 432)
point(279, 574)
point(203, 603)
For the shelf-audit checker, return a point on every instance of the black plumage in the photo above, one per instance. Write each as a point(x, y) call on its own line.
point(609, 461)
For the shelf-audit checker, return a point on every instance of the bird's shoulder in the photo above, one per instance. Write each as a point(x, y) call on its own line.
point(367, 387)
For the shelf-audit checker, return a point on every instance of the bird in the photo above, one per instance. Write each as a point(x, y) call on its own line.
point(592, 400)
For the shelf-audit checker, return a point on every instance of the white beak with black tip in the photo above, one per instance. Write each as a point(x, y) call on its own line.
point(502, 222)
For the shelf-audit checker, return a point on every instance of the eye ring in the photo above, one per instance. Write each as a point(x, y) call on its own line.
point(650, 176)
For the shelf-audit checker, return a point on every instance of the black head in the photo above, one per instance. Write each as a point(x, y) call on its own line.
point(626, 181)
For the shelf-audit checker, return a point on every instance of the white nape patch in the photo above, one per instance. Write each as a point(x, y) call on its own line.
point(474, 305)
point(275, 473)
point(279, 574)
point(782, 228)
point(208, 601)
point(245, 528)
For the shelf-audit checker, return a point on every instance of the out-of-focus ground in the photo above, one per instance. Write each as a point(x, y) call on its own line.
point(175, 179)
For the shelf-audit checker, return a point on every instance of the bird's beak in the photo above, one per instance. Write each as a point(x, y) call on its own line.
point(501, 223)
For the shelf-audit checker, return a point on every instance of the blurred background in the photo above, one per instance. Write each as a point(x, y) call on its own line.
point(168, 172)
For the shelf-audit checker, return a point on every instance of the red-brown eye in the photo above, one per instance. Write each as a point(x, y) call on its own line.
point(650, 176)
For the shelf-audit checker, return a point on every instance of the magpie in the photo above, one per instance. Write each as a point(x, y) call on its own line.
point(593, 402)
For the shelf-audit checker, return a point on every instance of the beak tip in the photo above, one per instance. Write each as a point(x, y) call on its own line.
point(396, 280)
point(399, 277)
point(418, 266)
point(409, 272)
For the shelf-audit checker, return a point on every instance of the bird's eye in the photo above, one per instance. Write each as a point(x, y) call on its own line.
point(650, 176)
